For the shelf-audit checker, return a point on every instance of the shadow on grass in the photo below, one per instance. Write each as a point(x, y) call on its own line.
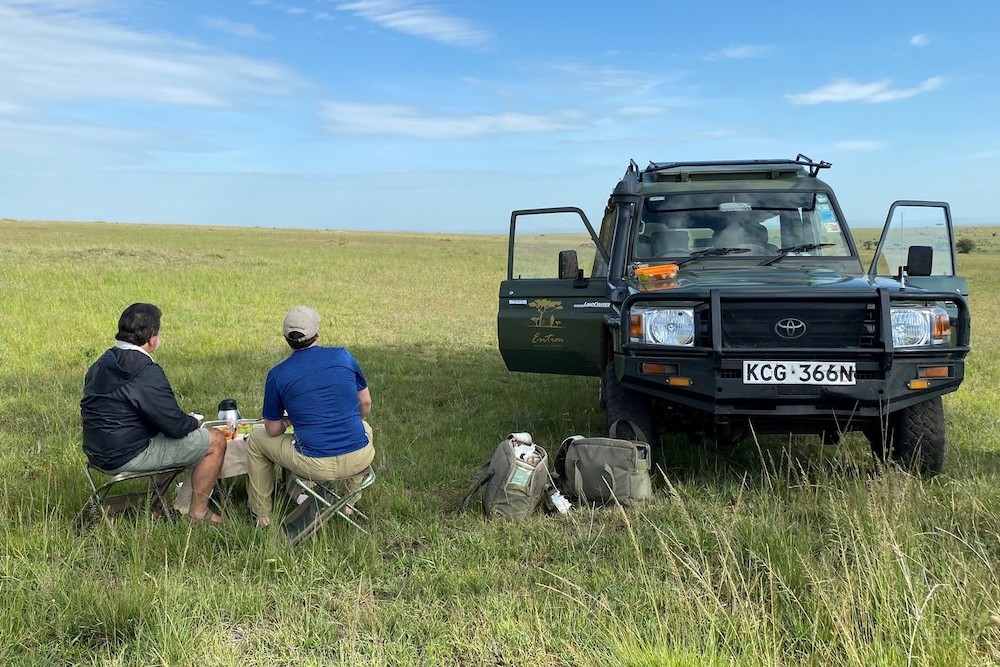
point(438, 413)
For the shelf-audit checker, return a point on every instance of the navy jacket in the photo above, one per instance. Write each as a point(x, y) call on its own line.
point(126, 401)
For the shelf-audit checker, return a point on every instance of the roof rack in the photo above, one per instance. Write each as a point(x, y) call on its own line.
point(800, 160)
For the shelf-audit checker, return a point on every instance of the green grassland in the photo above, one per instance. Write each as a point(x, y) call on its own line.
point(781, 553)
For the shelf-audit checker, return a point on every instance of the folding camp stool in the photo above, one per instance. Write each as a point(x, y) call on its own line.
point(102, 499)
point(323, 503)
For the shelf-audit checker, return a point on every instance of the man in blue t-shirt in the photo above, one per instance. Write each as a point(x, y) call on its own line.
point(323, 393)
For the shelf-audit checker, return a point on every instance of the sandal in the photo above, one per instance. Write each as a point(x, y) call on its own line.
point(209, 518)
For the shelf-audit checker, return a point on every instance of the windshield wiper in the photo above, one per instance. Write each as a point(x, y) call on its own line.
point(785, 252)
point(711, 252)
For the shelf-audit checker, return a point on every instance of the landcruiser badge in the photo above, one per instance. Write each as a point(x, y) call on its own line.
point(790, 328)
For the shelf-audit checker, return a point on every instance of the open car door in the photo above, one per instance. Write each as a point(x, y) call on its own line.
point(918, 247)
point(554, 300)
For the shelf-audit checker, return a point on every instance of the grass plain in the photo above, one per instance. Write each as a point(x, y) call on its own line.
point(781, 553)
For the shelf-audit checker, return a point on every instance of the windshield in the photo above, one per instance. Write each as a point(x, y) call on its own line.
point(760, 224)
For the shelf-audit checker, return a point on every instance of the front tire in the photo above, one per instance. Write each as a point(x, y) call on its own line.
point(915, 440)
point(622, 403)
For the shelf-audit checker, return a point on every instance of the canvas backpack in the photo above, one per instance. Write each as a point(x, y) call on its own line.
point(513, 487)
point(599, 470)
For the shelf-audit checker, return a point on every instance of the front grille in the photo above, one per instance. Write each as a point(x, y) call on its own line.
point(752, 324)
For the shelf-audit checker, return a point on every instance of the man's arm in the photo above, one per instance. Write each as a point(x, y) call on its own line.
point(156, 403)
point(364, 402)
point(273, 406)
point(275, 428)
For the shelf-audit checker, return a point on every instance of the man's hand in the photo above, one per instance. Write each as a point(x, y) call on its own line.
point(200, 418)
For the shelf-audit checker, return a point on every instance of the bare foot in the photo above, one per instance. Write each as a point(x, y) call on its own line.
point(208, 518)
point(263, 521)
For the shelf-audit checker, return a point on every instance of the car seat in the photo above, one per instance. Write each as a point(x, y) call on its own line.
point(643, 246)
point(744, 235)
point(670, 242)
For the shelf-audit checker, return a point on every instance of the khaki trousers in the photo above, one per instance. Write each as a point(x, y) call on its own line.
point(264, 452)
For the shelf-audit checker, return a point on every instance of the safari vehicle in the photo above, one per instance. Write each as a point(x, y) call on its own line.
point(729, 299)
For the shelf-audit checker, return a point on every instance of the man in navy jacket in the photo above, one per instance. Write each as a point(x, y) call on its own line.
point(131, 419)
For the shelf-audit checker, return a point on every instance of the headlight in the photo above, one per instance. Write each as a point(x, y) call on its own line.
point(662, 326)
point(913, 327)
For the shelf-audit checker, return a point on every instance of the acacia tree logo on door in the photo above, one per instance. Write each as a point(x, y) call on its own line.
point(543, 306)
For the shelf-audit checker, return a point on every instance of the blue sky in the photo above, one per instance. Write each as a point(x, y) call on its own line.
point(443, 116)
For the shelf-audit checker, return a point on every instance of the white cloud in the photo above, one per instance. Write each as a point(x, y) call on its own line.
point(401, 120)
point(740, 51)
point(641, 110)
point(860, 145)
point(609, 80)
point(52, 53)
point(417, 20)
point(233, 28)
point(848, 90)
point(920, 40)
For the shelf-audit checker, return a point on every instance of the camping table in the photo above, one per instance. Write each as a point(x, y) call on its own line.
point(233, 465)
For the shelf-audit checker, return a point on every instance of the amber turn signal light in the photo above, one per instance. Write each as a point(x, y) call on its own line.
point(942, 326)
point(635, 326)
point(658, 369)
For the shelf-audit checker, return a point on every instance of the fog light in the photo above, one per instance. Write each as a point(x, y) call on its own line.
point(918, 384)
point(934, 372)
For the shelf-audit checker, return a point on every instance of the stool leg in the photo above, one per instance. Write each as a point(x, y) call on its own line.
point(157, 493)
point(325, 502)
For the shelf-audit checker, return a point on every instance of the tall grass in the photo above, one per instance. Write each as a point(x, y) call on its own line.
point(783, 552)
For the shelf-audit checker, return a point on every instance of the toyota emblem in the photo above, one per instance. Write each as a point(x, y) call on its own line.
point(790, 328)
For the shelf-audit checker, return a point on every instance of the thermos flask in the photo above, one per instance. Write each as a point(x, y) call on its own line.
point(229, 413)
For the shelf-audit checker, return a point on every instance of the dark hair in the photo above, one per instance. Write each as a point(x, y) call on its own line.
point(138, 323)
point(296, 342)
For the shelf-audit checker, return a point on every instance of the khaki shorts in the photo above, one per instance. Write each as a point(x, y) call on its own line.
point(164, 452)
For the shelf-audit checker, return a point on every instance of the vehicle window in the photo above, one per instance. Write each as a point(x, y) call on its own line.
point(916, 226)
point(773, 227)
point(674, 226)
point(600, 267)
point(826, 226)
point(539, 238)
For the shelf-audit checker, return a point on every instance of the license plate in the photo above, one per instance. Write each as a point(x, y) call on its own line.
point(798, 372)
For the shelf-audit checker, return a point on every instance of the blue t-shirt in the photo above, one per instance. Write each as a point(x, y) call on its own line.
point(318, 387)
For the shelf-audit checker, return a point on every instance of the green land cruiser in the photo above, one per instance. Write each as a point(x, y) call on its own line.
point(729, 299)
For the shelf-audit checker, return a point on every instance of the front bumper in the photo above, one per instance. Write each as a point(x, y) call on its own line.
point(722, 392)
point(709, 377)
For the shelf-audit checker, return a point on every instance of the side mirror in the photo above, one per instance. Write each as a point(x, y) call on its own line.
point(919, 260)
point(569, 264)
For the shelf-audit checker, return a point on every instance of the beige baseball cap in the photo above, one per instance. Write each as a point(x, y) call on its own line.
point(302, 320)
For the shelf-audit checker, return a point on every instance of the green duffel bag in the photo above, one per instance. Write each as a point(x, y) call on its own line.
point(598, 471)
point(513, 487)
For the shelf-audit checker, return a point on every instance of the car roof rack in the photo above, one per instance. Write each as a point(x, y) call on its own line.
point(799, 161)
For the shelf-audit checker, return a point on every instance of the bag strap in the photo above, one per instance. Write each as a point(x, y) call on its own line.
point(560, 460)
point(479, 479)
point(608, 474)
point(578, 483)
point(620, 427)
